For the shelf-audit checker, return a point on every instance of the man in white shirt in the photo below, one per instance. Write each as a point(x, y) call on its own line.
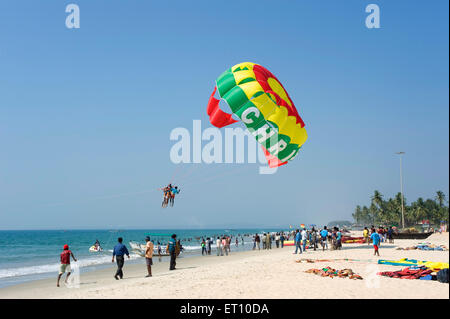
point(304, 238)
point(219, 248)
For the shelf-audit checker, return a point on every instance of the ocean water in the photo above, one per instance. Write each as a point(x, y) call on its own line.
point(28, 255)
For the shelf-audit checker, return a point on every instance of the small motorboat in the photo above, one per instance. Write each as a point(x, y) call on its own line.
point(95, 249)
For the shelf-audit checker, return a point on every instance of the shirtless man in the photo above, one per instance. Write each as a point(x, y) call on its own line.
point(166, 191)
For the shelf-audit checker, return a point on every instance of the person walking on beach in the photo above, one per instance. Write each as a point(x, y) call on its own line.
point(332, 237)
point(149, 256)
point(390, 235)
point(298, 240)
point(203, 244)
point(282, 240)
point(228, 240)
point(324, 238)
point(376, 242)
point(224, 245)
point(264, 241)
point(338, 239)
point(65, 264)
point(159, 251)
point(366, 235)
point(269, 241)
point(277, 240)
point(173, 251)
point(119, 251)
point(380, 233)
point(179, 247)
point(208, 245)
point(257, 241)
point(304, 238)
point(313, 238)
point(219, 248)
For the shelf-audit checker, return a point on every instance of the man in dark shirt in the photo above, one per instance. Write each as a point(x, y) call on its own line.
point(208, 245)
point(172, 251)
point(390, 235)
point(119, 251)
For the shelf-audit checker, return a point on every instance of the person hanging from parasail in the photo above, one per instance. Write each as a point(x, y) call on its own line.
point(166, 191)
point(174, 191)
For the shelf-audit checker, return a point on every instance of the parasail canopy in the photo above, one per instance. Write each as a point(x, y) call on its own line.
point(260, 101)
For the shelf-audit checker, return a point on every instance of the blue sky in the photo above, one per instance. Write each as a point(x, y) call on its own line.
point(85, 114)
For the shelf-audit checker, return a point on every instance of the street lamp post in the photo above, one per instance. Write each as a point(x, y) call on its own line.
point(401, 187)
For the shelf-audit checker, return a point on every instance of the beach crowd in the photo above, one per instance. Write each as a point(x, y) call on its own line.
point(302, 239)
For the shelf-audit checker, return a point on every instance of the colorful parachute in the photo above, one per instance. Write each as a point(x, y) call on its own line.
point(260, 101)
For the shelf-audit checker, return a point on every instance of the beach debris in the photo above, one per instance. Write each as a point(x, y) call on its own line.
point(303, 260)
point(331, 272)
point(306, 260)
point(425, 246)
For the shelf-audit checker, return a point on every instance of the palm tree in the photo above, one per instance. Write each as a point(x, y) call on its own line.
point(373, 212)
point(389, 212)
point(357, 214)
point(440, 198)
point(377, 201)
point(418, 211)
point(365, 215)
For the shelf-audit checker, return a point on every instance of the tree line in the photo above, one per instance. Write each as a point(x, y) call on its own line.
point(389, 212)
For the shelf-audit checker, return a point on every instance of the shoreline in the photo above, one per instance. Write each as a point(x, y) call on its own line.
point(44, 262)
point(252, 274)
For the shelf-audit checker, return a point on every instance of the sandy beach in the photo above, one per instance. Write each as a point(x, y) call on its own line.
point(255, 274)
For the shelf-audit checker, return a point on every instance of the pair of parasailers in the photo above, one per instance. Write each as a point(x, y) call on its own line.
point(169, 195)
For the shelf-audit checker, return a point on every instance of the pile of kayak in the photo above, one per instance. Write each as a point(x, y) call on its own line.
point(353, 240)
point(330, 272)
